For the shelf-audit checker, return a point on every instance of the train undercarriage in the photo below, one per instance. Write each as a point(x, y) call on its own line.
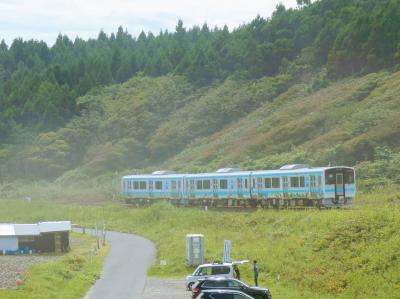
point(266, 203)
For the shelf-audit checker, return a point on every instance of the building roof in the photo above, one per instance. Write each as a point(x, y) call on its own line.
point(26, 229)
point(58, 226)
point(7, 229)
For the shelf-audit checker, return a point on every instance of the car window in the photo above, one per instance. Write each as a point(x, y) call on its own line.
point(233, 284)
point(215, 284)
point(203, 271)
point(239, 296)
point(209, 284)
point(220, 270)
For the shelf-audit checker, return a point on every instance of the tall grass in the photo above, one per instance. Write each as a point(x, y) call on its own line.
point(69, 277)
point(301, 254)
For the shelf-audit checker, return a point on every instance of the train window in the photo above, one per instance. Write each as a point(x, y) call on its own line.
point(206, 184)
point(173, 185)
point(245, 183)
point(276, 183)
point(349, 177)
point(294, 181)
point(330, 179)
point(199, 185)
point(142, 185)
point(158, 185)
point(302, 183)
point(223, 184)
point(179, 185)
point(267, 182)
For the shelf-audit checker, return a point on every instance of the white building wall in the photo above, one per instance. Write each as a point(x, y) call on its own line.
point(8, 243)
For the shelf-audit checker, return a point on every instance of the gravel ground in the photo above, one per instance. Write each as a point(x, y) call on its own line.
point(11, 265)
point(165, 288)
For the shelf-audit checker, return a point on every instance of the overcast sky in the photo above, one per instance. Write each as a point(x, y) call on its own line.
point(45, 19)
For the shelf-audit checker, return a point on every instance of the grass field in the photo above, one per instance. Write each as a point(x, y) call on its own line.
point(302, 254)
point(68, 277)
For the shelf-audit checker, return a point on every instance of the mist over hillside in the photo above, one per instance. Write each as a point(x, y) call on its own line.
point(316, 84)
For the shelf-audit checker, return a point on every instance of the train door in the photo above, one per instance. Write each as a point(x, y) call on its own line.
point(259, 187)
point(174, 188)
point(191, 188)
point(182, 188)
point(151, 188)
point(215, 187)
point(285, 186)
point(240, 187)
point(313, 184)
point(339, 187)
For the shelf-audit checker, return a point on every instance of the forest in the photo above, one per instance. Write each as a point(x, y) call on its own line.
point(125, 102)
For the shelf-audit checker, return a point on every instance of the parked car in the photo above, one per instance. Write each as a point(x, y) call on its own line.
point(211, 270)
point(214, 283)
point(223, 294)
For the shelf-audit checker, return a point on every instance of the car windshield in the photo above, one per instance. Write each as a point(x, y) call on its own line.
point(202, 271)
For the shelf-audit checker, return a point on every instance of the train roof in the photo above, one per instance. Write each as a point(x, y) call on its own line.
point(286, 170)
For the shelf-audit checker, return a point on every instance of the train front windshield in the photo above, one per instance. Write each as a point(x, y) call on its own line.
point(339, 176)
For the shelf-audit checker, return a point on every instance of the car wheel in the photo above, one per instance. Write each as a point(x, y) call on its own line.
point(190, 286)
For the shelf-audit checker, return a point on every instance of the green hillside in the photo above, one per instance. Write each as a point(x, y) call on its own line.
point(315, 84)
point(167, 122)
point(349, 122)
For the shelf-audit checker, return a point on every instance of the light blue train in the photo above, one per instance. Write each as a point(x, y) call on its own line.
point(295, 185)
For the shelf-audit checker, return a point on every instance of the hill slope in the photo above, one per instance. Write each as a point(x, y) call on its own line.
point(256, 124)
point(343, 123)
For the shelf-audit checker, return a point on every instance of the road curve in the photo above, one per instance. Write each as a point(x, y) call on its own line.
point(125, 268)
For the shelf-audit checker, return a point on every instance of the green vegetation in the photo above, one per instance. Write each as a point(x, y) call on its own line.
point(302, 254)
point(256, 124)
point(316, 84)
point(39, 85)
point(305, 85)
point(69, 277)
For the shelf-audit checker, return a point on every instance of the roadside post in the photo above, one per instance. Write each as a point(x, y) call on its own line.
point(227, 251)
point(194, 249)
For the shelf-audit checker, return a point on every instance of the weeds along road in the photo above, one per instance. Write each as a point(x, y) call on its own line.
point(125, 268)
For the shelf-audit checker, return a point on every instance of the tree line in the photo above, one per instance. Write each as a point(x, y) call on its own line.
point(39, 84)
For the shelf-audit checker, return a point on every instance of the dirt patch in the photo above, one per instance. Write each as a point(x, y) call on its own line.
point(11, 266)
point(165, 288)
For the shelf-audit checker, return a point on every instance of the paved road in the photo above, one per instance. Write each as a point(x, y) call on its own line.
point(124, 272)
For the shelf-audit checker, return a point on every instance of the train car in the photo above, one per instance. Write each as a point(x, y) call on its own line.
point(294, 185)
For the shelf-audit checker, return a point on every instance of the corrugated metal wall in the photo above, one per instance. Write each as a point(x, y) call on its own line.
point(8, 243)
